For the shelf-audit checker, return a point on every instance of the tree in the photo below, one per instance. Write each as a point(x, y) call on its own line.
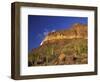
point(49, 53)
point(35, 58)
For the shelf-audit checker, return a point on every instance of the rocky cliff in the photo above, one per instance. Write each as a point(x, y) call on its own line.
point(63, 47)
point(76, 31)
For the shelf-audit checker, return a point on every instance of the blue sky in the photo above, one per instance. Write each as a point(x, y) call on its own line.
point(39, 26)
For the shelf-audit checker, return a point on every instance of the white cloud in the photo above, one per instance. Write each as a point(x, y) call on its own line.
point(45, 33)
point(53, 30)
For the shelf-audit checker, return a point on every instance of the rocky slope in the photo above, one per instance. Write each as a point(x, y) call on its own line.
point(62, 47)
point(76, 31)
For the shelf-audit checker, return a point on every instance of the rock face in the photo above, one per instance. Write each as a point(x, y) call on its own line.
point(76, 31)
point(63, 47)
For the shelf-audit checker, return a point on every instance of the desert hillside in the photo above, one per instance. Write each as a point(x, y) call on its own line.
point(63, 47)
point(77, 31)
